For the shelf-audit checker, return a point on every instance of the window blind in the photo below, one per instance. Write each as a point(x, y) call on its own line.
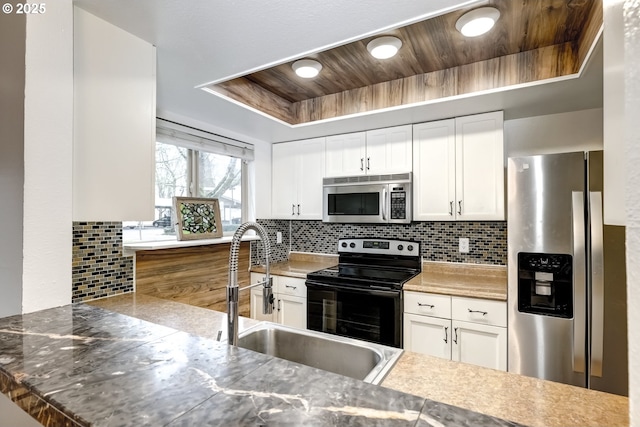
point(173, 133)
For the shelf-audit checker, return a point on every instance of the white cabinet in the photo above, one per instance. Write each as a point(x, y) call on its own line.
point(374, 152)
point(298, 168)
point(479, 330)
point(345, 154)
point(114, 90)
point(458, 169)
point(468, 330)
point(290, 301)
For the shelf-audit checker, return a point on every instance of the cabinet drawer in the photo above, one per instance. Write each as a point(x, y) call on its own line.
point(482, 311)
point(292, 286)
point(427, 304)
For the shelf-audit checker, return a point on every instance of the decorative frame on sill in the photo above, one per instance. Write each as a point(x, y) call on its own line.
point(197, 218)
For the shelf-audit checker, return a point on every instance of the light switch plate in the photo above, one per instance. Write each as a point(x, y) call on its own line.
point(278, 237)
point(463, 246)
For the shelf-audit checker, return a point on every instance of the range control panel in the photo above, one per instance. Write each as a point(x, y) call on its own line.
point(379, 246)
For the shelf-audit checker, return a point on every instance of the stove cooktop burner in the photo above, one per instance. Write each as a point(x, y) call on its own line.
point(372, 263)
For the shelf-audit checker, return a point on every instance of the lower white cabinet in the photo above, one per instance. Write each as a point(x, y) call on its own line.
point(290, 301)
point(469, 330)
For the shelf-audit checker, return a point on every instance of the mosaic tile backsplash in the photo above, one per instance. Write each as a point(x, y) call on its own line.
point(99, 267)
point(440, 240)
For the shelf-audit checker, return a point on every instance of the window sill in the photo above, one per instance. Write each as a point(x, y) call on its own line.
point(132, 247)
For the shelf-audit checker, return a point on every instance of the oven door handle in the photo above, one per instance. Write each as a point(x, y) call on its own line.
point(391, 293)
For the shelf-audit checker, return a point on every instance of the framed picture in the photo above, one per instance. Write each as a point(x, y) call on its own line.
point(197, 218)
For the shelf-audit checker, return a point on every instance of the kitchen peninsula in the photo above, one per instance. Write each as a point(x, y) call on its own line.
point(172, 372)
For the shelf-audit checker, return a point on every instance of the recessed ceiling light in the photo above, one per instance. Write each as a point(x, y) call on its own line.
point(307, 68)
point(384, 47)
point(477, 21)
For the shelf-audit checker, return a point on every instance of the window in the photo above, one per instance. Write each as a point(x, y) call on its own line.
point(189, 165)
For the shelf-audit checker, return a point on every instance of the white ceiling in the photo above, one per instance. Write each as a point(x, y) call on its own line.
point(202, 41)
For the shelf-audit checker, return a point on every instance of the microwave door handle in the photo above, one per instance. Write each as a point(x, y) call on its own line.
point(384, 204)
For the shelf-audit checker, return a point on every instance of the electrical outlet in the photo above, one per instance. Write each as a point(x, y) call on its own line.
point(278, 237)
point(464, 245)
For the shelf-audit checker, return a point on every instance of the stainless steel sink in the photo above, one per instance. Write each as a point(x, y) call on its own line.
point(353, 358)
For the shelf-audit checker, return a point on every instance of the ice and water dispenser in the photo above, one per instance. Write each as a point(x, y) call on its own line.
point(545, 284)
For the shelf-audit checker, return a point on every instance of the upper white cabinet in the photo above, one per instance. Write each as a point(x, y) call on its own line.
point(346, 154)
point(374, 152)
point(298, 169)
point(114, 122)
point(458, 169)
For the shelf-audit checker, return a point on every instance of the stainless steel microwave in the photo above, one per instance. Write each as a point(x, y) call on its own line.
point(368, 199)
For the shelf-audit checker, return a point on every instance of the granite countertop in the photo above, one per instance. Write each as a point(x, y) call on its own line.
point(448, 278)
point(81, 365)
point(522, 399)
point(299, 264)
point(458, 279)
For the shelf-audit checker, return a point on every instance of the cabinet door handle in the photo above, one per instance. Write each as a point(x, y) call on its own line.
point(368, 163)
point(451, 208)
point(455, 331)
point(293, 209)
point(420, 304)
point(459, 207)
point(484, 313)
point(289, 286)
point(446, 335)
point(298, 209)
point(279, 304)
point(362, 163)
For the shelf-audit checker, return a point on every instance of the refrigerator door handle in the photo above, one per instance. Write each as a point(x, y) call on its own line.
point(597, 283)
point(579, 281)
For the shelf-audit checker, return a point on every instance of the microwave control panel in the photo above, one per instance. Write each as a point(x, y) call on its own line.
point(398, 204)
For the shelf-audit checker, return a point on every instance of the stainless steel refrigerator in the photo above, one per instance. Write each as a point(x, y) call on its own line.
point(567, 276)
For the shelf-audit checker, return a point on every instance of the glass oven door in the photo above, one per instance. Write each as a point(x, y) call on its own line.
point(366, 314)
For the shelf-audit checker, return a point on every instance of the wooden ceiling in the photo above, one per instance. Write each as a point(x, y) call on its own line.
point(533, 40)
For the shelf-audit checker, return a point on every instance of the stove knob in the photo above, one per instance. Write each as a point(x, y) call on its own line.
point(352, 245)
point(410, 248)
point(400, 247)
point(344, 244)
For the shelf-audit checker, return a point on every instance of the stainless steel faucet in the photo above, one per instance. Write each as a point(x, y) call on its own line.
point(232, 287)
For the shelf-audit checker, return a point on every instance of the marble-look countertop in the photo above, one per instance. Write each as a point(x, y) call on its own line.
point(525, 400)
point(81, 365)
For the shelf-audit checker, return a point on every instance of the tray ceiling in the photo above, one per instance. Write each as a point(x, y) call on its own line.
point(532, 41)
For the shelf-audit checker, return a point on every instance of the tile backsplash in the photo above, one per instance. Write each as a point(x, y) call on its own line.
point(99, 267)
point(440, 240)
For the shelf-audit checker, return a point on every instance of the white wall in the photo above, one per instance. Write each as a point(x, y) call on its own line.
point(554, 133)
point(632, 143)
point(48, 135)
point(614, 115)
point(12, 49)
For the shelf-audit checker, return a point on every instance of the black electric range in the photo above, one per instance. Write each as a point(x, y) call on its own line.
point(361, 297)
